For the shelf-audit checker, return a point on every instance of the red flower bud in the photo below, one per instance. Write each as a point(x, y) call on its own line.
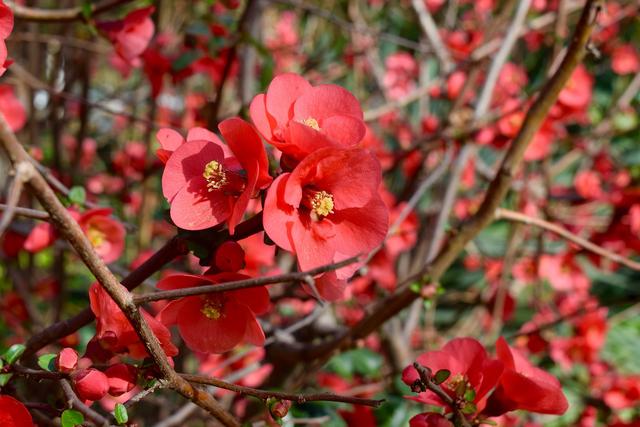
point(121, 378)
point(90, 384)
point(279, 408)
point(229, 257)
point(67, 360)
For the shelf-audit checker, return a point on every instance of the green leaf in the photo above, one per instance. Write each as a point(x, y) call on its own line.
point(47, 362)
point(77, 195)
point(120, 414)
point(415, 287)
point(13, 353)
point(469, 408)
point(87, 10)
point(71, 418)
point(470, 395)
point(441, 376)
point(4, 379)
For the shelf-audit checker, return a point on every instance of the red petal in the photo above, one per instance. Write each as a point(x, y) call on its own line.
point(278, 215)
point(193, 211)
point(169, 139)
point(188, 162)
point(283, 91)
point(324, 101)
point(254, 333)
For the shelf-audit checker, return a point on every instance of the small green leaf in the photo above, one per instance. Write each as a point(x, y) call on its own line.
point(87, 10)
point(441, 376)
point(47, 362)
point(77, 195)
point(469, 408)
point(13, 353)
point(470, 395)
point(415, 287)
point(120, 413)
point(71, 418)
point(4, 379)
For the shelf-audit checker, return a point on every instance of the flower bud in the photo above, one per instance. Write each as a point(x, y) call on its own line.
point(229, 257)
point(279, 408)
point(121, 378)
point(67, 360)
point(90, 384)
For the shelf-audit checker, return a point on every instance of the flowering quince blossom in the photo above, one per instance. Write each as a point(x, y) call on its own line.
point(494, 386)
point(326, 210)
point(115, 333)
point(470, 366)
point(206, 184)
point(524, 386)
point(298, 118)
point(13, 413)
point(217, 322)
point(105, 234)
point(11, 108)
point(131, 35)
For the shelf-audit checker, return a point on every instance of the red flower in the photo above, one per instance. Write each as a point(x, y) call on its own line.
point(10, 106)
point(114, 332)
point(326, 210)
point(206, 185)
point(121, 378)
point(131, 35)
point(215, 323)
point(524, 386)
point(67, 360)
point(625, 60)
point(470, 368)
point(105, 233)
point(429, 419)
point(90, 384)
point(13, 413)
point(6, 26)
point(298, 118)
point(170, 140)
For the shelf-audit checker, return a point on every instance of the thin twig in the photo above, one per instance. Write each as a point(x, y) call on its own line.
point(242, 284)
point(431, 31)
point(26, 212)
point(60, 15)
point(554, 228)
point(268, 394)
point(23, 172)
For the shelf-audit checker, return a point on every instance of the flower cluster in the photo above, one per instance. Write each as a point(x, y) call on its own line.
point(474, 384)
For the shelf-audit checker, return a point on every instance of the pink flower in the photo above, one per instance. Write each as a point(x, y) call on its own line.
point(131, 35)
point(90, 384)
point(625, 60)
point(207, 184)
point(326, 210)
point(400, 74)
point(105, 233)
point(298, 118)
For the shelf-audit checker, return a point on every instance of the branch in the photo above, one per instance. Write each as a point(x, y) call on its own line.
point(267, 394)
point(28, 213)
point(427, 383)
point(431, 31)
point(241, 284)
point(23, 172)
point(71, 231)
point(554, 228)
point(60, 15)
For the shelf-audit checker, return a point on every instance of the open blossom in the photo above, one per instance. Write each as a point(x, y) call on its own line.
point(400, 74)
point(216, 322)
point(326, 210)
point(115, 333)
point(105, 234)
point(170, 140)
point(13, 413)
point(524, 386)
point(471, 369)
point(130, 36)
point(207, 183)
point(298, 118)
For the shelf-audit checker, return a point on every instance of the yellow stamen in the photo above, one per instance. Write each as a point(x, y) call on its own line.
point(211, 310)
point(215, 175)
point(322, 203)
point(312, 123)
point(96, 237)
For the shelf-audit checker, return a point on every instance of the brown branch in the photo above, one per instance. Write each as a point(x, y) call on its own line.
point(241, 284)
point(23, 173)
point(498, 189)
point(268, 394)
point(426, 379)
point(562, 232)
point(25, 212)
point(75, 402)
point(71, 231)
point(60, 15)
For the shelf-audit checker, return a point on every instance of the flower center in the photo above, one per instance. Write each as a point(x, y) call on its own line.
point(312, 123)
point(96, 237)
point(215, 175)
point(459, 384)
point(211, 309)
point(321, 202)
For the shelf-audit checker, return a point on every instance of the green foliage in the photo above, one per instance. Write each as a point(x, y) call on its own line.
point(12, 355)
point(71, 418)
point(120, 414)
